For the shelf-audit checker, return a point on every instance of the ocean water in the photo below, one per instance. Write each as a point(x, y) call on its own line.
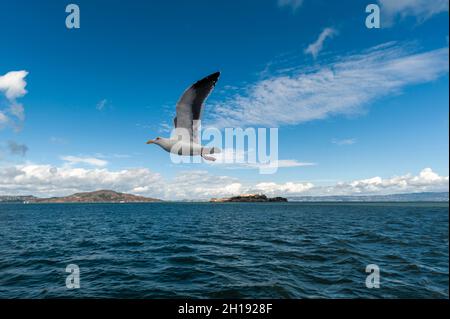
point(239, 250)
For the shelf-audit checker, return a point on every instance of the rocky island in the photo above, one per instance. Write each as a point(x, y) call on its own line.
point(101, 196)
point(248, 198)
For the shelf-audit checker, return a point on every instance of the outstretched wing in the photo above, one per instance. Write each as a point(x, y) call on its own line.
point(189, 107)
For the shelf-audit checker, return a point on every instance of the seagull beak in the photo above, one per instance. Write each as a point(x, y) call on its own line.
point(151, 142)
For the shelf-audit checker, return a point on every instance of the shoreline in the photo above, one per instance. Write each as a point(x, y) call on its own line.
point(232, 203)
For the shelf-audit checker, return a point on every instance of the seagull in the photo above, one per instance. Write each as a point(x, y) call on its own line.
point(185, 140)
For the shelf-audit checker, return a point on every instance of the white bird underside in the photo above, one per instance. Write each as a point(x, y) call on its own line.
point(180, 147)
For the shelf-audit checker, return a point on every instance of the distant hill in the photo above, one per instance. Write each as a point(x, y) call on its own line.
point(108, 196)
point(410, 197)
point(101, 196)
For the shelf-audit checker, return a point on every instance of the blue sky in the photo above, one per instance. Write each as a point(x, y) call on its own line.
point(369, 108)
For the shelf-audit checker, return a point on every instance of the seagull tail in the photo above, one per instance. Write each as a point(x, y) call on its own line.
point(213, 150)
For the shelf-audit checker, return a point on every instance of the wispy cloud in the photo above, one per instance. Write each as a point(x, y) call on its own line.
point(345, 141)
point(3, 119)
point(17, 149)
point(84, 160)
point(58, 140)
point(420, 9)
point(113, 155)
point(239, 159)
point(165, 128)
point(293, 4)
point(317, 46)
point(12, 85)
point(101, 105)
point(277, 164)
point(343, 86)
point(121, 155)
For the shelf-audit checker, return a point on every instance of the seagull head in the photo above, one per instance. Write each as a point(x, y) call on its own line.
point(155, 141)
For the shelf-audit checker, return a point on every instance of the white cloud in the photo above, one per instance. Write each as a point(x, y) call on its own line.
point(293, 4)
point(420, 9)
point(202, 185)
point(343, 86)
point(13, 84)
point(48, 180)
point(315, 48)
point(84, 160)
point(427, 180)
point(345, 141)
point(283, 189)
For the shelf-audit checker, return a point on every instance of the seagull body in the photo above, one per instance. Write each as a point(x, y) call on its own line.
point(185, 141)
point(175, 146)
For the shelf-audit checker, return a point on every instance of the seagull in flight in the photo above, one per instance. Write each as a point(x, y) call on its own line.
point(185, 140)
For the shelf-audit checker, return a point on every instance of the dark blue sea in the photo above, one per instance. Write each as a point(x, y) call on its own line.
point(203, 250)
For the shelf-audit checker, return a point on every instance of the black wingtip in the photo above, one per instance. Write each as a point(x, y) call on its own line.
point(214, 77)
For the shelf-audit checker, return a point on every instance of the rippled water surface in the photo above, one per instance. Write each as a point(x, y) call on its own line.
point(160, 250)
